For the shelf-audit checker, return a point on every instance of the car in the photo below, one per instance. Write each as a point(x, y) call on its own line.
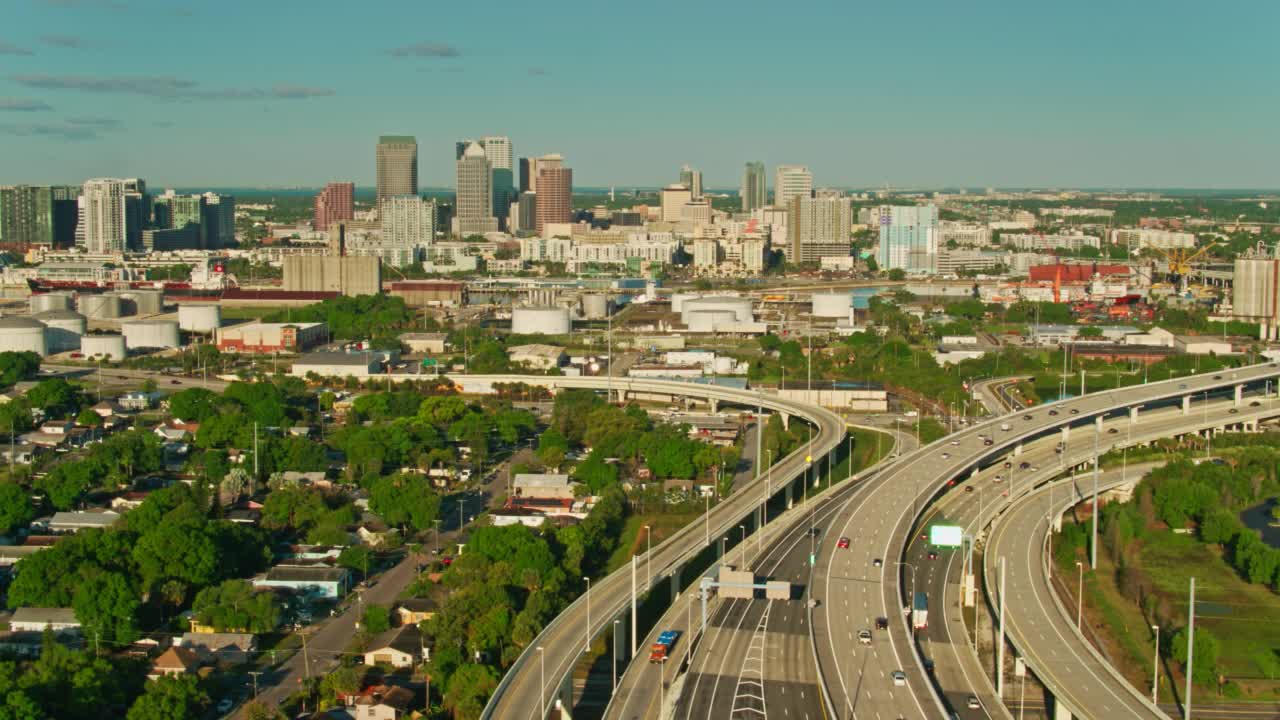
point(899, 678)
point(1113, 431)
point(988, 442)
point(968, 488)
point(882, 623)
point(1217, 377)
point(1024, 466)
point(446, 561)
point(225, 705)
point(1255, 403)
point(1182, 386)
point(1075, 411)
point(946, 455)
point(955, 442)
point(843, 544)
point(972, 703)
point(933, 554)
point(864, 637)
point(1007, 464)
point(998, 478)
point(877, 562)
point(1026, 417)
point(1232, 411)
point(175, 382)
point(1053, 412)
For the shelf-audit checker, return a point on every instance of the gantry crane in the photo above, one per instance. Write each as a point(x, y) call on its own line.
point(1182, 260)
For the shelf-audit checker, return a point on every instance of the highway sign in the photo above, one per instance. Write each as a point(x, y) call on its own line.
point(946, 535)
point(429, 362)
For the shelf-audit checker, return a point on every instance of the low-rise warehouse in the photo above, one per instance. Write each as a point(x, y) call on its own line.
point(260, 337)
point(336, 364)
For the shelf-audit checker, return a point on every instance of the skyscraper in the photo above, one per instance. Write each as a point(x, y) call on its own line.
point(335, 202)
point(397, 166)
point(555, 192)
point(104, 216)
point(754, 193)
point(672, 201)
point(37, 215)
point(908, 238)
point(219, 221)
point(497, 149)
point(818, 227)
point(528, 174)
point(791, 181)
point(474, 208)
point(408, 221)
point(692, 179)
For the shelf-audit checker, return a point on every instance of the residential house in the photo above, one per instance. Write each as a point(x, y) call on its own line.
point(137, 401)
point(61, 621)
point(548, 486)
point(176, 661)
point(380, 702)
point(128, 501)
point(65, 522)
point(411, 611)
point(399, 647)
point(225, 648)
point(107, 409)
point(22, 454)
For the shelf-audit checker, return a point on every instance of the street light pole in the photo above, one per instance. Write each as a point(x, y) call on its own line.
point(588, 643)
point(1080, 596)
point(1155, 667)
point(648, 558)
point(542, 688)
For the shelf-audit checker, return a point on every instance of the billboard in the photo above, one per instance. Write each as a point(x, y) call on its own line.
point(946, 535)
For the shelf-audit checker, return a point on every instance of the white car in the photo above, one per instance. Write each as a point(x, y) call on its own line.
point(864, 637)
point(225, 705)
point(899, 678)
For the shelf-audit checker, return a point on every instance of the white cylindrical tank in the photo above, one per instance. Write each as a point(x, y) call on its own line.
point(832, 305)
point(199, 317)
point(540, 320)
point(50, 301)
point(100, 307)
point(150, 334)
point(678, 300)
point(148, 302)
point(709, 320)
point(595, 306)
point(739, 306)
point(1255, 287)
point(19, 334)
point(63, 329)
point(106, 346)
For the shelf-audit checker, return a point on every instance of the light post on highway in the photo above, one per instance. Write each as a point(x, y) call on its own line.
point(542, 687)
point(706, 517)
point(1155, 666)
point(614, 665)
point(912, 599)
point(1080, 597)
point(648, 558)
point(743, 528)
point(588, 633)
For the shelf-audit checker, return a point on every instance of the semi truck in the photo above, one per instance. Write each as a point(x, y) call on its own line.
point(661, 649)
point(920, 611)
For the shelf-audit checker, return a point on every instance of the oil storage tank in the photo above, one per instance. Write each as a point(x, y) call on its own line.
point(101, 307)
point(595, 306)
point(678, 300)
point(150, 334)
point(19, 334)
point(63, 329)
point(832, 305)
point(540, 321)
point(50, 301)
point(105, 346)
point(201, 318)
point(128, 306)
point(145, 302)
point(739, 306)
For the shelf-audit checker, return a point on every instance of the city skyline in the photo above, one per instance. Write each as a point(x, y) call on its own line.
point(969, 102)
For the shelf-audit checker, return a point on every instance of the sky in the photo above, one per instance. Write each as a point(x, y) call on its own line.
point(1122, 93)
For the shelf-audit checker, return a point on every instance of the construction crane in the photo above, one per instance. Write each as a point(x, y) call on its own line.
point(1181, 261)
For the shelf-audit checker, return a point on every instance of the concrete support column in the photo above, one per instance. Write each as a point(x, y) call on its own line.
point(1017, 450)
point(675, 583)
point(1060, 711)
point(715, 406)
point(786, 421)
point(1239, 394)
point(1133, 414)
point(1186, 404)
point(1066, 433)
point(788, 496)
point(1097, 422)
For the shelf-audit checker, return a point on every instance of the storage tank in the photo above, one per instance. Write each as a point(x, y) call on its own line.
point(100, 307)
point(145, 302)
point(709, 320)
point(63, 329)
point(595, 306)
point(50, 301)
point(540, 320)
point(150, 334)
point(832, 305)
point(20, 334)
point(106, 346)
point(678, 300)
point(740, 306)
point(200, 317)
point(1255, 287)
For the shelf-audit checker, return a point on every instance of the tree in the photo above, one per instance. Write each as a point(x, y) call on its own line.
point(1089, 331)
point(106, 606)
point(15, 366)
point(170, 698)
point(255, 710)
point(595, 472)
point(57, 397)
point(89, 418)
point(16, 510)
point(897, 274)
point(405, 500)
point(469, 688)
point(356, 557)
point(234, 606)
point(377, 619)
point(1205, 671)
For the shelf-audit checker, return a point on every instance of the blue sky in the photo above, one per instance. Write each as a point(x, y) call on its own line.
point(290, 92)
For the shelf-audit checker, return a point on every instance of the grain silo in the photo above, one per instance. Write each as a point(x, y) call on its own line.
point(63, 329)
point(150, 334)
point(101, 307)
point(20, 334)
point(104, 346)
point(201, 318)
point(540, 321)
point(1255, 291)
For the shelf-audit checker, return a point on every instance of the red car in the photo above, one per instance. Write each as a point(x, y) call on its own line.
point(446, 560)
point(843, 544)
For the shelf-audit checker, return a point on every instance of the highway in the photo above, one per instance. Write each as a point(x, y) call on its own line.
point(539, 676)
point(859, 591)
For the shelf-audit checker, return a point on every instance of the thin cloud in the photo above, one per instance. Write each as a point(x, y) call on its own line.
point(165, 87)
point(108, 4)
point(537, 71)
point(9, 104)
point(52, 130)
point(70, 42)
point(96, 122)
point(8, 48)
point(425, 49)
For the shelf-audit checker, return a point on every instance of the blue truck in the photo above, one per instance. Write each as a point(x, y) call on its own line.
point(661, 649)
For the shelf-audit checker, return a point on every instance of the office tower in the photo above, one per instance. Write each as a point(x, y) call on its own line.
point(818, 227)
point(37, 215)
point(219, 221)
point(527, 176)
point(335, 202)
point(908, 238)
point(497, 149)
point(791, 181)
point(474, 212)
point(692, 179)
point(555, 192)
point(673, 200)
point(697, 212)
point(753, 191)
point(137, 205)
point(527, 215)
point(105, 218)
point(408, 221)
point(397, 166)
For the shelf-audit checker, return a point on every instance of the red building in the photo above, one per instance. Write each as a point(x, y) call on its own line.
point(336, 202)
point(1074, 273)
point(554, 196)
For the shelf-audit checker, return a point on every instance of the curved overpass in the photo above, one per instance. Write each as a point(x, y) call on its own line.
point(856, 591)
point(543, 670)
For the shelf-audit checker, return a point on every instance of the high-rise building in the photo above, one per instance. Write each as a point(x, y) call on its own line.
point(335, 202)
point(397, 166)
point(474, 209)
point(527, 213)
point(754, 193)
point(528, 174)
point(137, 206)
point(497, 149)
point(105, 216)
point(408, 221)
point(219, 221)
point(818, 227)
point(37, 215)
point(697, 212)
point(908, 238)
point(673, 200)
point(555, 192)
point(692, 179)
point(791, 181)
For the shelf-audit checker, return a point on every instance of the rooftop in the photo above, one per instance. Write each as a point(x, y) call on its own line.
point(44, 616)
point(541, 479)
point(360, 359)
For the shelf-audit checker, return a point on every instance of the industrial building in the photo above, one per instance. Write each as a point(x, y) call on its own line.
point(335, 364)
point(327, 273)
point(537, 356)
point(260, 337)
point(1255, 292)
point(429, 293)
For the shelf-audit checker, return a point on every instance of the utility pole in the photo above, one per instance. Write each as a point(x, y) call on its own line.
point(255, 451)
point(306, 658)
point(255, 674)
